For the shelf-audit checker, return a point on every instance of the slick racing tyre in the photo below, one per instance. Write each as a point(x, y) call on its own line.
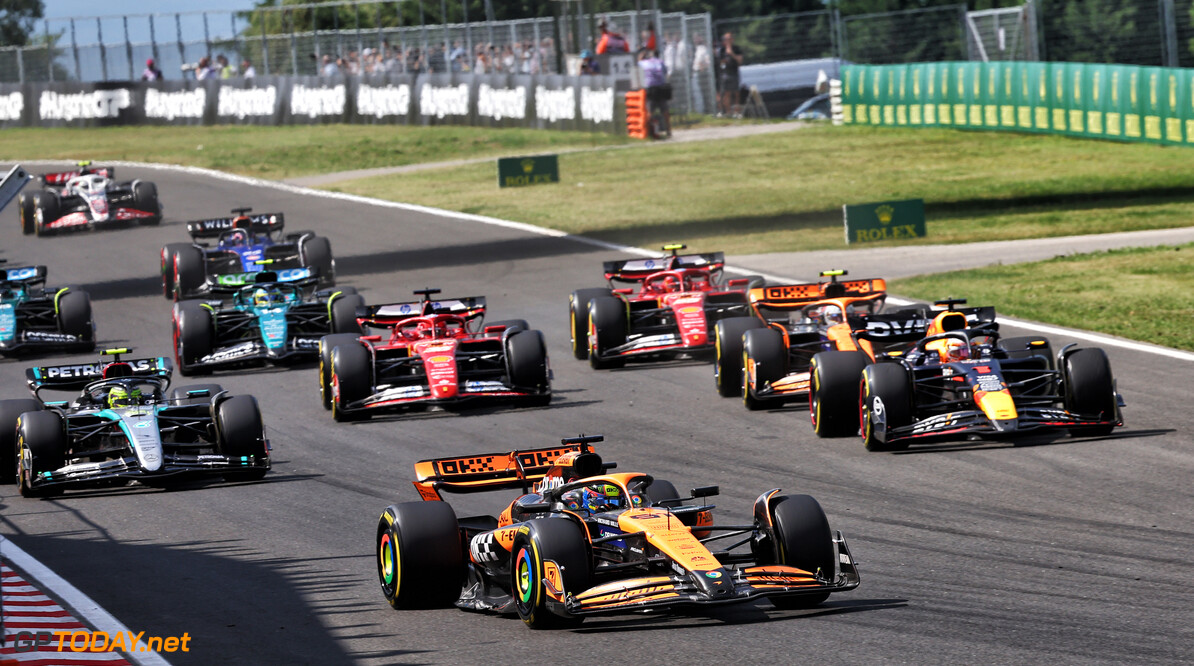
point(145, 197)
point(25, 208)
point(317, 253)
point(41, 446)
point(833, 396)
point(241, 435)
point(544, 548)
point(194, 333)
point(526, 359)
point(1090, 389)
point(764, 360)
point(189, 272)
point(326, 344)
point(886, 403)
point(802, 540)
point(578, 319)
point(74, 317)
point(607, 330)
point(168, 253)
point(352, 379)
point(420, 559)
point(182, 395)
point(10, 411)
point(343, 311)
point(46, 209)
point(727, 371)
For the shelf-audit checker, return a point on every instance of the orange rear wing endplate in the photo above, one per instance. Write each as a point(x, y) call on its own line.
point(486, 472)
point(793, 296)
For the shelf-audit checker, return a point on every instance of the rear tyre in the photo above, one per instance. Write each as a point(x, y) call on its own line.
point(886, 403)
point(764, 361)
point(727, 372)
point(526, 357)
point(41, 446)
point(189, 272)
point(145, 198)
point(317, 253)
point(241, 435)
point(25, 207)
point(578, 319)
point(833, 396)
point(180, 396)
point(168, 253)
point(803, 540)
point(194, 333)
point(420, 558)
point(10, 411)
point(607, 330)
point(74, 317)
point(344, 313)
point(352, 379)
point(1090, 389)
point(326, 344)
point(556, 540)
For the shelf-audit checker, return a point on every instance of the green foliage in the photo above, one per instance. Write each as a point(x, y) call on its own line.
point(17, 18)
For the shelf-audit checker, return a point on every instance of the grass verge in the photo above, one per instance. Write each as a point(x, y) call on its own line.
point(1142, 294)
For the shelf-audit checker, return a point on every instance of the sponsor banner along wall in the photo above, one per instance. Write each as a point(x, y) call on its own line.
point(1120, 102)
point(545, 102)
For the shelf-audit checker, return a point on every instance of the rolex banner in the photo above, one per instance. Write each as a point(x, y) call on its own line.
point(886, 220)
point(532, 170)
point(1120, 102)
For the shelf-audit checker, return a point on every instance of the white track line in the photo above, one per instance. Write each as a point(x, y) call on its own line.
point(75, 600)
point(1087, 336)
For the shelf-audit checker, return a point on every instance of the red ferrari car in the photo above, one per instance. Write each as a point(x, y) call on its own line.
point(672, 310)
point(433, 352)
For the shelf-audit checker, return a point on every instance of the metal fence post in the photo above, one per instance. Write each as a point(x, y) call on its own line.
point(264, 47)
point(293, 47)
point(74, 45)
point(153, 39)
point(206, 37)
point(1169, 33)
point(49, 50)
point(21, 64)
point(128, 49)
point(182, 54)
point(99, 32)
point(356, 8)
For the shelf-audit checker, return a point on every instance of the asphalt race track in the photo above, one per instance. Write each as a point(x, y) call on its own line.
point(1056, 551)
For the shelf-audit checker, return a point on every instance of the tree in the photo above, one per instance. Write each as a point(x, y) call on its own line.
point(17, 18)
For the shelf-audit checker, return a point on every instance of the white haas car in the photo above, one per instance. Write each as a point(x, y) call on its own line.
point(88, 200)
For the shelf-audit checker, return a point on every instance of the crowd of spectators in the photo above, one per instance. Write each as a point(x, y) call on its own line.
point(517, 58)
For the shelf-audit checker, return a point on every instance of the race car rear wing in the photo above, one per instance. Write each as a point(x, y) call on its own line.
point(913, 324)
point(75, 376)
point(27, 274)
point(264, 222)
point(488, 471)
point(390, 314)
point(85, 168)
point(634, 270)
point(794, 296)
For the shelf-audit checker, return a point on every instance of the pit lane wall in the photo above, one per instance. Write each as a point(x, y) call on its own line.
point(1118, 102)
point(542, 102)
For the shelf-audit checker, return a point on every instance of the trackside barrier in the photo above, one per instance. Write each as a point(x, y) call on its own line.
point(636, 114)
point(1117, 102)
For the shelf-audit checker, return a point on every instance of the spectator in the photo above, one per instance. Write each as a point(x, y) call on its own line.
point(457, 52)
point(481, 63)
point(701, 62)
point(247, 70)
point(151, 72)
point(729, 59)
point(327, 67)
point(509, 62)
point(658, 89)
point(204, 70)
point(610, 41)
point(224, 67)
point(649, 42)
point(547, 56)
point(589, 64)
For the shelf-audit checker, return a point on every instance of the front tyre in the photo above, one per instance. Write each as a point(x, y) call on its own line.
point(420, 558)
point(352, 379)
point(885, 404)
point(727, 372)
point(578, 319)
point(551, 548)
point(41, 447)
point(526, 357)
point(326, 344)
point(241, 435)
point(764, 361)
point(10, 412)
point(802, 540)
point(1090, 389)
point(607, 329)
point(343, 312)
point(833, 396)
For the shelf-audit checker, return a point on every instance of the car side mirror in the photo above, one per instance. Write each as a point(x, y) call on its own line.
point(201, 393)
point(706, 491)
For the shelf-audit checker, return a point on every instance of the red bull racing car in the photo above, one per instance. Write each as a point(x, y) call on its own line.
point(671, 312)
point(432, 353)
point(583, 541)
point(86, 198)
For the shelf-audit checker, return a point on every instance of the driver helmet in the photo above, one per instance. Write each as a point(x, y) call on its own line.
point(955, 350)
point(120, 396)
point(261, 298)
point(831, 314)
point(593, 500)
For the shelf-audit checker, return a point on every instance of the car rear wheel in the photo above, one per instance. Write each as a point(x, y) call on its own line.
point(242, 435)
point(194, 333)
point(578, 319)
point(145, 198)
point(47, 207)
point(885, 404)
point(189, 271)
point(41, 446)
point(802, 540)
point(326, 344)
point(420, 558)
point(607, 330)
point(764, 361)
point(10, 412)
point(74, 317)
point(317, 253)
point(553, 549)
point(526, 356)
point(344, 313)
point(352, 379)
point(727, 371)
point(1090, 389)
point(25, 207)
point(833, 396)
